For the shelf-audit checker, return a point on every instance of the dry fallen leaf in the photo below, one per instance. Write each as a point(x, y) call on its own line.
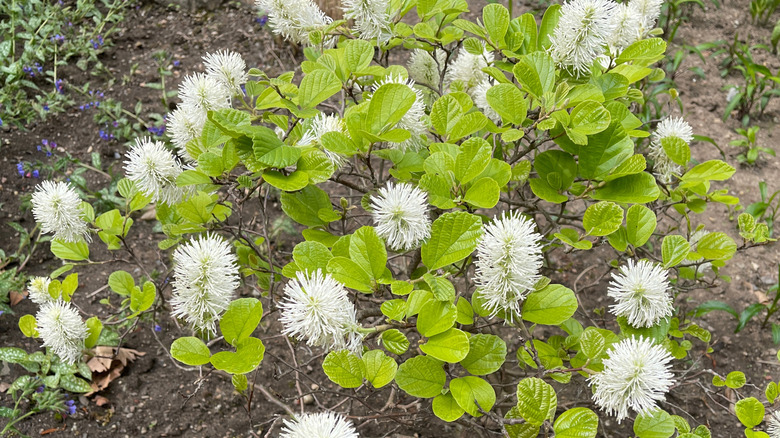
point(107, 364)
point(16, 297)
point(4, 386)
point(101, 401)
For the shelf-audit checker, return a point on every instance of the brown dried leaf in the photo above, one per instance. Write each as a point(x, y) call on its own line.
point(107, 366)
point(4, 386)
point(101, 401)
point(16, 297)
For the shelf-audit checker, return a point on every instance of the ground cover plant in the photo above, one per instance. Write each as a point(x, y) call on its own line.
point(435, 170)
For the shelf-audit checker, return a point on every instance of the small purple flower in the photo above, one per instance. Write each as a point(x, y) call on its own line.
point(40, 389)
point(262, 20)
point(158, 131)
point(176, 63)
point(20, 169)
point(116, 124)
point(157, 328)
point(36, 174)
point(44, 142)
point(71, 404)
point(59, 86)
point(45, 107)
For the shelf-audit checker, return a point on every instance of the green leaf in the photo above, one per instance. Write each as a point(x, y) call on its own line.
point(446, 408)
point(592, 343)
point(735, 379)
point(13, 354)
point(674, 249)
point(229, 121)
point(543, 190)
point(302, 207)
point(473, 394)
point(395, 341)
point(240, 382)
point(380, 369)
point(310, 256)
point(248, 355)
point(71, 383)
point(394, 309)
point(576, 423)
point(95, 327)
point(29, 326)
point(142, 298)
point(656, 424)
point(550, 306)
point(75, 251)
point(421, 376)
point(449, 346)
point(317, 86)
point(483, 194)
point(640, 224)
point(509, 103)
point(643, 53)
point(496, 19)
point(446, 113)
point(192, 177)
point(536, 400)
point(442, 289)
point(436, 317)
point(657, 332)
point(536, 73)
point(344, 368)
point(350, 274)
point(472, 159)
point(270, 151)
point(241, 319)
point(368, 251)
point(121, 282)
point(609, 149)
point(358, 55)
point(638, 188)
point(677, 150)
point(387, 106)
point(288, 183)
point(548, 25)
point(716, 246)
point(713, 170)
point(589, 117)
point(190, 351)
point(602, 218)
point(454, 237)
point(556, 168)
point(486, 354)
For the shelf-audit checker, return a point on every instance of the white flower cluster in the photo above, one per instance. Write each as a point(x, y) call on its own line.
point(642, 293)
point(294, 19)
point(773, 425)
point(62, 329)
point(636, 376)
point(414, 120)
point(205, 276)
point(316, 308)
point(153, 169)
point(57, 207)
point(319, 425)
point(426, 67)
point(401, 216)
point(467, 69)
point(38, 288)
point(320, 125)
point(509, 257)
point(588, 28)
point(664, 167)
point(372, 18)
point(204, 92)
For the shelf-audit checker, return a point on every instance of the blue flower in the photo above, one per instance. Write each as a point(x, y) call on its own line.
point(35, 173)
point(71, 405)
point(157, 328)
point(20, 169)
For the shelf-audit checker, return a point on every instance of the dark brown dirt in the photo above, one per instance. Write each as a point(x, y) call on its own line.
point(154, 397)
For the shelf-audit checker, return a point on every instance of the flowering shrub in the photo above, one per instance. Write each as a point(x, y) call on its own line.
point(434, 199)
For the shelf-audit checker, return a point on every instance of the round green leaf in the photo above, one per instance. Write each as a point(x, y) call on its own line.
point(190, 351)
point(421, 376)
point(674, 248)
point(450, 346)
point(640, 224)
point(602, 218)
point(380, 369)
point(241, 319)
point(344, 368)
point(592, 343)
point(446, 408)
point(436, 317)
point(550, 306)
point(657, 424)
point(486, 354)
point(750, 412)
point(453, 238)
point(483, 194)
point(536, 400)
point(248, 355)
point(576, 423)
point(395, 341)
point(473, 394)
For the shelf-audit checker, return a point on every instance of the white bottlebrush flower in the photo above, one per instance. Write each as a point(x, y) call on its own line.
point(649, 10)
point(425, 67)
point(153, 169)
point(582, 33)
point(642, 293)
point(467, 68)
point(185, 123)
point(509, 257)
point(316, 308)
point(414, 120)
point(372, 19)
point(57, 208)
point(694, 240)
point(401, 216)
point(627, 23)
point(319, 425)
point(664, 167)
point(773, 425)
point(62, 330)
point(204, 92)
point(38, 288)
point(320, 125)
point(228, 68)
point(636, 376)
point(294, 19)
point(479, 94)
point(205, 276)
